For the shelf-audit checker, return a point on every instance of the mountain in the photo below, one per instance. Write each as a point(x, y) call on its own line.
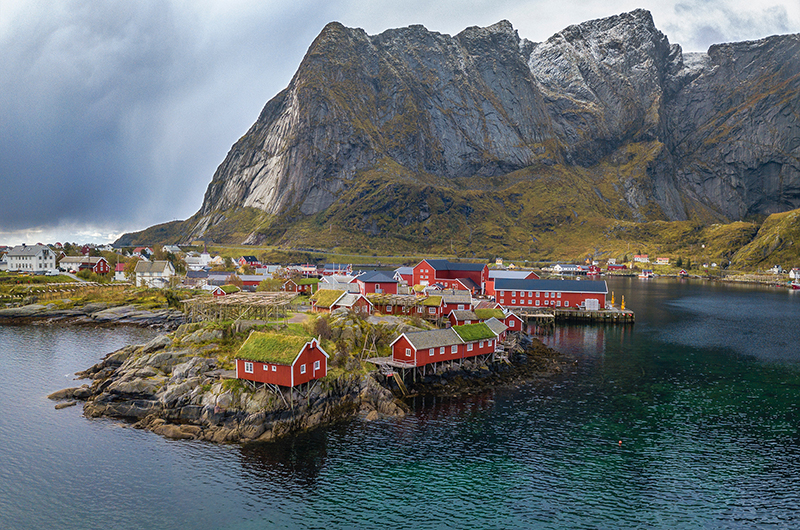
point(485, 143)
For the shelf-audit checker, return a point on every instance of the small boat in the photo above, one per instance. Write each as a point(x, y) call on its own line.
point(795, 284)
point(646, 274)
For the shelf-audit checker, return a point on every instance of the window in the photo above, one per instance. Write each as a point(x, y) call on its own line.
point(513, 302)
point(408, 352)
point(460, 307)
point(274, 368)
point(480, 344)
point(388, 309)
point(441, 350)
point(432, 310)
point(266, 367)
point(302, 368)
point(513, 293)
point(559, 294)
point(547, 295)
point(469, 346)
point(248, 368)
point(566, 303)
point(454, 348)
point(558, 304)
point(316, 365)
point(431, 351)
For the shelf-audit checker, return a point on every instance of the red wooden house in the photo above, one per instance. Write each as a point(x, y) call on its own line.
point(329, 300)
point(465, 316)
point(303, 285)
point(96, 264)
point(509, 319)
point(455, 300)
point(551, 293)
point(281, 360)
point(615, 267)
point(248, 260)
point(440, 345)
point(464, 276)
point(376, 282)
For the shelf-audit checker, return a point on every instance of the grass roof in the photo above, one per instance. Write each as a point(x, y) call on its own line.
point(326, 297)
point(228, 289)
point(473, 332)
point(487, 313)
point(270, 347)
point(307, 281)
point(432, 301)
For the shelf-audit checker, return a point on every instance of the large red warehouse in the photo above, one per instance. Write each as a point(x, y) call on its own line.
point(281, 360)
point(464, 276)
point(551, 293)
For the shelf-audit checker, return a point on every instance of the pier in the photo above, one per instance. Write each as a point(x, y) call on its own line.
point(548, 317)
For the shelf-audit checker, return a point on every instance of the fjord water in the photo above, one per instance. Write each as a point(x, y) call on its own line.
point(703, 393)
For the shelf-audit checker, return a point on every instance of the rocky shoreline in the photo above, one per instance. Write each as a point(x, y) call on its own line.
point(97, 313)
point(174, 387)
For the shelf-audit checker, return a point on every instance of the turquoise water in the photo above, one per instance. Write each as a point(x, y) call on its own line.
point(703, 393)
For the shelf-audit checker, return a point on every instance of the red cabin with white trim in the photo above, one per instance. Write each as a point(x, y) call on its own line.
point(310, 363)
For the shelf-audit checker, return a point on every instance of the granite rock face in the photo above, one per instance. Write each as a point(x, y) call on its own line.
point(485, 103)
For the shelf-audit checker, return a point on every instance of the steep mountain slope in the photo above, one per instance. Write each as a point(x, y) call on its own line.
point(484, 142)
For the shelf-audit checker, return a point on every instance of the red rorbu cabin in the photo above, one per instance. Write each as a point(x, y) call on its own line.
point(440, 345)
point(281, 360)
point(463, 276)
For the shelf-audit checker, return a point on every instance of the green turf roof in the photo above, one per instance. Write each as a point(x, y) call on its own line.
point(487, 313)
point(473, 332)
point(228, 289)
point(307, 281)
point(326, 297)
point(268, 347)
point(434, 301)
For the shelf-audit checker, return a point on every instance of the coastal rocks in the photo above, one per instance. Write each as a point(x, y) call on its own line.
point(170, 387)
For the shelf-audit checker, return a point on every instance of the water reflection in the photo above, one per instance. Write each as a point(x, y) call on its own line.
point(296, 459)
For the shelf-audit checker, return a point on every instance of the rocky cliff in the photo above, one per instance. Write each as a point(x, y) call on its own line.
point(605, 119)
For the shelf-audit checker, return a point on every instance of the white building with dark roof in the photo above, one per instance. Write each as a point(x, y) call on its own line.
point(35, 258)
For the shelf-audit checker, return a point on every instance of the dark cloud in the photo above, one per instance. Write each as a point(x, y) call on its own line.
point(115, 114)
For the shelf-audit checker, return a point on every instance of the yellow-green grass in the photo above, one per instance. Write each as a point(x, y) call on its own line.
point(486, 314)
point(473, 332)
point(326, 297)
point(270, 347)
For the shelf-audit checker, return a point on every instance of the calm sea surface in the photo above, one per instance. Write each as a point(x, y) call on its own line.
point(703, 393)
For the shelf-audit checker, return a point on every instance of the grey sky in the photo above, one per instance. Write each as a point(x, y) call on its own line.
point(115, 114)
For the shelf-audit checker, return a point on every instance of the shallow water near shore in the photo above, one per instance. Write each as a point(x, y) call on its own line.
point(703, 393)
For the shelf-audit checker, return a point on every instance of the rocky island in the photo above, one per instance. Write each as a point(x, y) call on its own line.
point(180, 385)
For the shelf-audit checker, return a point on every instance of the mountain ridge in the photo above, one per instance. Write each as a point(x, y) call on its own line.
point(607, 116)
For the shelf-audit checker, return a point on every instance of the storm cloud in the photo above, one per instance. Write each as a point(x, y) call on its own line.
point(114, 115)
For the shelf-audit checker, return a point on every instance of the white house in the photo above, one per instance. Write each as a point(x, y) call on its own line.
point(154, 274)
point(36, 258)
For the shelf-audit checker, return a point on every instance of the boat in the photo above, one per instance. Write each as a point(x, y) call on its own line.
point(646, 274)
point(795, 284)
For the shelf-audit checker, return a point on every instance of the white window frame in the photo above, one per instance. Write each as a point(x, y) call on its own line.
point(469, 346)
point(559, 294)
point(274, 367)
point(248, 367)
point(316, 365)
point(441, 350)
point(454, 348)
point(388, 309)
point(303, 368)
point(432, 310)
point(408, 352)
point(266, 367)
point(431, 351)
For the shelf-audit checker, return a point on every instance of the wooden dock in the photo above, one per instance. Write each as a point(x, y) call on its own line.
point(548, 317)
